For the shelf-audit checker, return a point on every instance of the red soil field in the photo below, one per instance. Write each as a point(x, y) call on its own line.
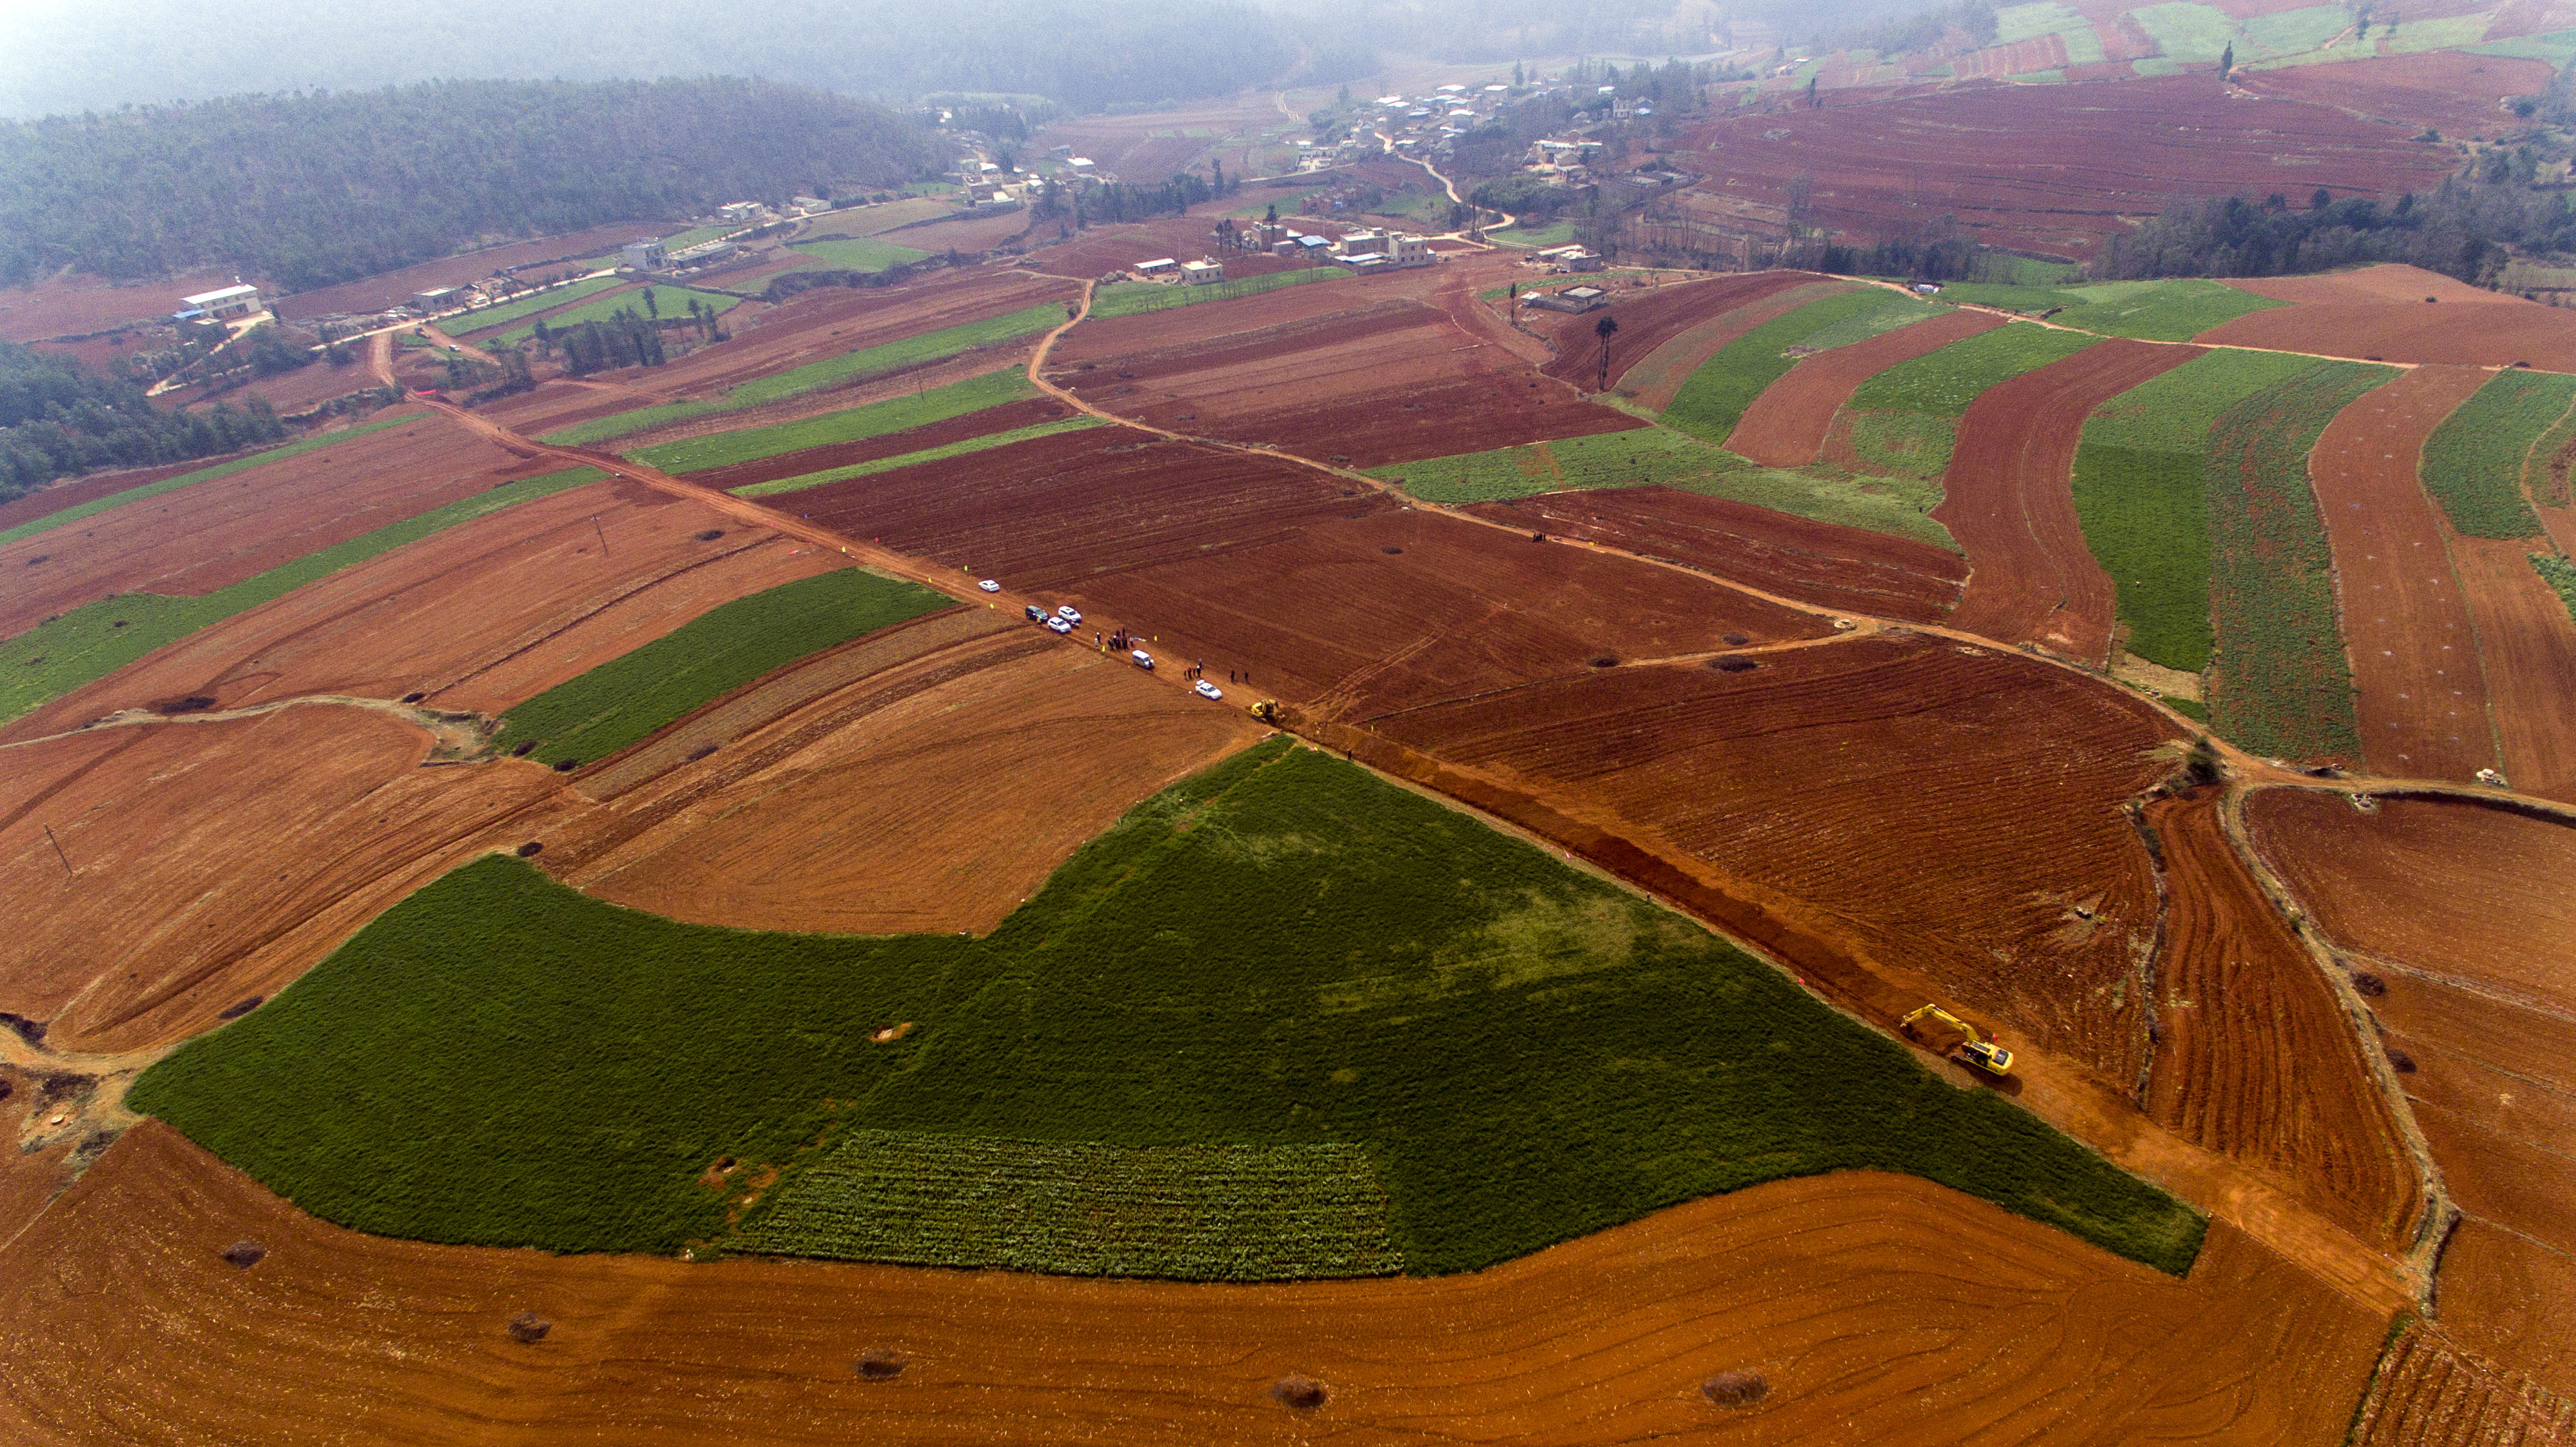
point(395, 288)
point(909, 800)
point(1859, 1297)
point(1792, 557)
point(1103, 249)
point(2053, 168)
point(1786, 425)
point(212, 861)
point(2379, 314)
point(1652, 381)
point(1650, 317)
point(1957, 817)
point(2452, 91)
point(30, 1179)
point(966, 234)
point(2254, 1056)
point(2429, 1392)
point(1008, 417)
point(2010, 503)
point(2022, 57)
point(2420, 692)
point(2462, 915)
point(479, 616)
point(76, 305)
point(73, 491)
point(209, 534)
point(2527, 644)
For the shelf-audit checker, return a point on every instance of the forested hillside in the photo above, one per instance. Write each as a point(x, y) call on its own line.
point(309, 190)
point(57, 418)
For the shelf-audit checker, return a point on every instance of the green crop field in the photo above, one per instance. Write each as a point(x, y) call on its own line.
point(2476, 462)
point(2558, 47)
point(620, 701)
point(96, 639)
point(1943, 383)
point(1537, 237)
point(1908, 445)
point(928, 454)
point(859, 253)
point(2449, 33)
point(2559, 574)
point(2280, 682)
point(2141, 492)
point(2047, 17)
point(1131, 298)
point(1658, 456)
point(97, 505)
point(831, 371)
point(2291, 32)
point(2166, 311)
point(1204, 1213)
point(673, 301)
point(855, 424)
point(1712, 399)
point(2188, 32)
point(476, 323)
point(1281, 951)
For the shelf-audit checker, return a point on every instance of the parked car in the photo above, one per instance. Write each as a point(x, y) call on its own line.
point(989, 586)
point(1143, 658)
point(1069, 613)
point(1205, 689)
point(1058, 625)
point(1036, 613)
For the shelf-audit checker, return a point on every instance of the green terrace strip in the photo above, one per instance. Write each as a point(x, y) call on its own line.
point(672, 301)
point(1129, 298)
point(472, 323)
point(1558, 234)
point(610, 706)
point(2015, 23)
point(2560, 574)
point(2141, 491)
point(855, 424)
point(96, 639)
point(857, 253)
point(849, 367)
point(1660, 456)
point(927, 454)
point(1942, 383)
point(2280, 682)
point(2159, 311)
point(1284, 950)
point(1205, 1213)
point(2558, 47)
point(2476, 462)
point(1713, 398)
point(97, 505)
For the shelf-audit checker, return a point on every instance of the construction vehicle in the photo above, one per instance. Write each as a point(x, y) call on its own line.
point(1267, 710)
point(1980, 1052)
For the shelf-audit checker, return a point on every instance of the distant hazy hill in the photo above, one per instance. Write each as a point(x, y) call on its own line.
point(311, 190)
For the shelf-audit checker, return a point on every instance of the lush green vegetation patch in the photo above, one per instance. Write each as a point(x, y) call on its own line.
point(1132, 298)
point(1558, 234)
point(628, 697)
point(1942, 383)
point(96, 639)
point(2476, 461)
point(1712, 399)
point(1203, 1213)
point(2167, 310)
point(1281, 951)
point(854, 424)
point(859, 253)
point(2560, 574)
point(470, 325)
point(667, 301)
point(97, 505)
point(928, 454)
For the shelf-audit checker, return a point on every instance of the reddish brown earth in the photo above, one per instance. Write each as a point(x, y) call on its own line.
point(2431, 1392)
point(2010, 504)
point(72, 492)
point(1103, 249)
point(76, 305)
point(204, 536)
point(288, 393)
point(2527, 646)
point(907, 800)
point(1957, 820)
point(213, 861)
point(2419, 690)
point(2053, 168)
point(2254, 1057)
point(395, 288)
point(2379, 313)
point(2462, 915)
point(1652, 381)
point(1859, 1297)
point(1650, 317)
point(31, 1178)
point(970, 235)
point(1785, 426)
point(1792, 557)
point(2452, 91)
point(478, 616)
point(1005, 418)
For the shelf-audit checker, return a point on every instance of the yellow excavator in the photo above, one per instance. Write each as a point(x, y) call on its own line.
point(1981, 1052)
point(1267, 711)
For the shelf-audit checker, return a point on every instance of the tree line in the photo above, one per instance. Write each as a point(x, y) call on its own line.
point(58, 418)
point(308, 190)
point(2463, 228)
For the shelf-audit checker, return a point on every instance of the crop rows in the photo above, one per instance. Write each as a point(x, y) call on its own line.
point(2162, 311)
point(1203, 1213)
point(2476, 462)
point(1943, 383)
point(927, 454)
point(1281, 951)
point(97, 505)
point(2281, 682)
point(857, 253)
point(1134, 298)
point(667, 301)
point(853, 424)
point(1714, 397)
point(2560, 575)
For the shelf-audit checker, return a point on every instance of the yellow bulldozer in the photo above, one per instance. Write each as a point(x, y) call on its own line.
point(1979, 1051)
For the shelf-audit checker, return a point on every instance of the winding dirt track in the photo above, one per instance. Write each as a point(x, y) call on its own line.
point(1786, 425)
point(2011, 505)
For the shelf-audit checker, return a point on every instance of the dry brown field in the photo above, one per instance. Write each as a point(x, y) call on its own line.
point(76, 304)
point(73, 491)
point(1652, 316)
point(1010, 416)
point(2527, 645)
point(2431, 1392)
point(1101, 250)
point(2010, 504)
point(1786, 425)
point(1858, 1297)
point(2402, 314)
point(2419, 689)
point(2451, 91)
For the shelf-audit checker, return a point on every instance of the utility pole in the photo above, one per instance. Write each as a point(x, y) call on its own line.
point(603, 534)
point(58, 852)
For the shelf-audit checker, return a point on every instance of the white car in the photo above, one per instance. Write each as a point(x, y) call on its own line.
point(1143, 659)
point(1058, 625)
point(989, 586)
point(1069, 613)
point(1205, 689)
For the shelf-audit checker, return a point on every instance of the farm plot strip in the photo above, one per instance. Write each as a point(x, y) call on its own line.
point(96, 639)
point(1713, 400)
point(1710, 313)
point(2280, 682)
point(2527, 657)
point(723, 450)
point(1135, 298)
point(2479, 462)
point(2420, 689)
point(910, 459)
point(471, 327)
point(2158, 311)
point(1786, 425)
point(512, 1035)
point(2009, 501)
point(664, 301)
point(95, 506)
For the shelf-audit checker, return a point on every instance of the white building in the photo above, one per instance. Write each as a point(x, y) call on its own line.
point(1157, 269)
point(1202, 273)
point(237, 300)
point(645, 255)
